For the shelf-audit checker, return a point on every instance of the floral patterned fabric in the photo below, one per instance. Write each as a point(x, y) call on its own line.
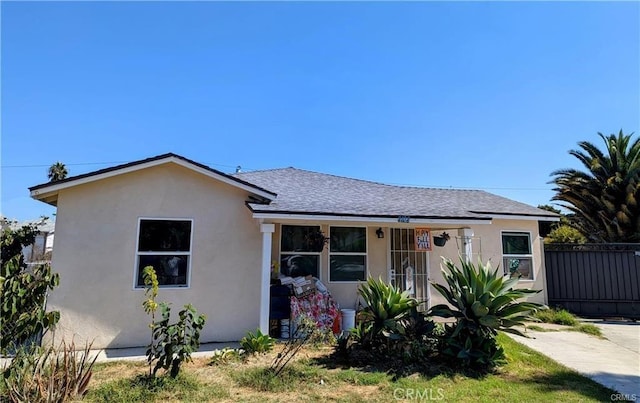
point(323, 309)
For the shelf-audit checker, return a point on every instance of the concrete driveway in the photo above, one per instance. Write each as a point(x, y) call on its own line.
point(614, 362)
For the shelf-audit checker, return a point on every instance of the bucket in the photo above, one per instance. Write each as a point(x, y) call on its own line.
point(284, 329)
point(348, 319)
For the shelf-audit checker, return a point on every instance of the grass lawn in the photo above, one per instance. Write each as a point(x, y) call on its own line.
point(528, 376)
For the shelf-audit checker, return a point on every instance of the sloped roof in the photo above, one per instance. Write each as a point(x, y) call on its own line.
point(48, 192)
point(305, 192)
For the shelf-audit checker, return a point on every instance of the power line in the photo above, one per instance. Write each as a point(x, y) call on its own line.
point(46, 166)
point(235, 166)
point(95, 163)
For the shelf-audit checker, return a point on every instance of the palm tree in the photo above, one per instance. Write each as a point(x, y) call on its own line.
point(604, 198)
point(57, 171)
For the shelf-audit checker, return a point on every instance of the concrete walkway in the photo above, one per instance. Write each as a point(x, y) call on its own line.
point(614, 362)
point(139, 353)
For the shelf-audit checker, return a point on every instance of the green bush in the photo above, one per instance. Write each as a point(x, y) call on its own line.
point(23, 291)
point(482, 301)
point(171, 344)
point(257, 343)
point(565, 234)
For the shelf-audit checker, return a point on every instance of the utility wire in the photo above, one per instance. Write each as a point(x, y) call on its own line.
point(95, 163)
point(250, 169)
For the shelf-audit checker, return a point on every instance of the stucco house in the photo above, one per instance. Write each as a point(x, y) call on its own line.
point(213, 239)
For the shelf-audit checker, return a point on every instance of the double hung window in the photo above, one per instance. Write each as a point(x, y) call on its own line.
point(348, 254)
point(164, 244)
point(516, 255)
point(298, 255)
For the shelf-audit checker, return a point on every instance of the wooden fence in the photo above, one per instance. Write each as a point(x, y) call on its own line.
point(597, 280)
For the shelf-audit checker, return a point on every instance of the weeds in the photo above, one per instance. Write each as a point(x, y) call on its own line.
point(587, 328)
point(557, 316)
point(565, 318)
point(39, 374)
point(226, 356)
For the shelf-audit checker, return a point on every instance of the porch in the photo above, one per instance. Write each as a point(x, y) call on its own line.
point(402, 253)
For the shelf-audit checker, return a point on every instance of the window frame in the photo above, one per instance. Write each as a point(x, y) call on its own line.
point(284, 252)
point(365, 254)
point(518, 255)
point(137, 254)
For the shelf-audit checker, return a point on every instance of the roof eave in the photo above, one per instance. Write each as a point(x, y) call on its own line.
point(520, 216)
point(381, 219)
point(49, 191)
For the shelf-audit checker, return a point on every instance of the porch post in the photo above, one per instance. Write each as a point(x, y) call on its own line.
point(267, 230)
point(466, 249)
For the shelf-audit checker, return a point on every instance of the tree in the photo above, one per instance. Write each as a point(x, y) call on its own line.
point(57, 171)
point(604, 198)
point(559, 232)
point(23, 290)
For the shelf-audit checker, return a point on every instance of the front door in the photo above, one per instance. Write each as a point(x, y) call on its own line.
point(409, 268)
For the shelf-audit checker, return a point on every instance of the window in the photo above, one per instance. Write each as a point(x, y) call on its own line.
point(166, 246)
point(348, 254)
point(517, 258)
point(298, 256)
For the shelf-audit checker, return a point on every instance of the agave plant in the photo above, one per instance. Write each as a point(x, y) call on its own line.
point(386, 308)
point(483, 301)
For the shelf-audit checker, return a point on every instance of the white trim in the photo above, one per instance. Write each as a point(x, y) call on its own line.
point(365, 254)
point(43, 192)
point(265, 286)
point(377, 220)
point(522, 217)
point(147, 253)
point(530, 255)
point(466, 236)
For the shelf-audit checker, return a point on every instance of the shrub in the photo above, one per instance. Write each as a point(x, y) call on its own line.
point(257, 342)
point(23, 291)
point(483, 301)
point(171, 344)
point(565, 234)
point(39, 374)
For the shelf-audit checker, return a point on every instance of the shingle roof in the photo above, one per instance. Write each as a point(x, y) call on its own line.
point(306, 192)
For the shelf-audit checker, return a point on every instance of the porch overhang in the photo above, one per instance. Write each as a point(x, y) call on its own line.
point(373, 220)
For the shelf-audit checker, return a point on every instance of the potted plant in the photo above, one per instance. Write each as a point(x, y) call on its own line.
point(316, 240)
point(441, 240)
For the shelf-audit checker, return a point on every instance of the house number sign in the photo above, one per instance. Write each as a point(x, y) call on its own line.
point(403, 218)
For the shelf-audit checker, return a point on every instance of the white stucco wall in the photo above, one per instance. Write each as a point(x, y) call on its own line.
point(95, 254)
point(486, 244)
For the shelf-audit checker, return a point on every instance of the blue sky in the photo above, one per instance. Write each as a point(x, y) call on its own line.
point(486, 95)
